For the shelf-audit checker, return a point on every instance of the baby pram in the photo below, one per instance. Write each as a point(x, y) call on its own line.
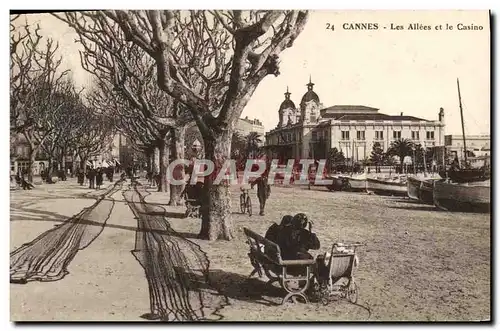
point(335, 274)
point(192, 197)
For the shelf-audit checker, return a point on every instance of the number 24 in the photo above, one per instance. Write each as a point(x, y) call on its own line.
point(330, 26)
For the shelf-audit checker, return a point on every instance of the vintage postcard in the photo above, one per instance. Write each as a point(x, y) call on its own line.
point(255, 165)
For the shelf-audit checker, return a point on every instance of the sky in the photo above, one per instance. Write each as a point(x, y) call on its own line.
point(396, 71)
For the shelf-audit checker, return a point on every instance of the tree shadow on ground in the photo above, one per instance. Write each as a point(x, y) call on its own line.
point(35, 215)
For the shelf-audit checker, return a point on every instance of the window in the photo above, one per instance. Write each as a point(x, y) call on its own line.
point(360, 135)
point(345, 135)
point(379, 135)
point(430, 135)
point(396, 134)
point(415, 135)
point(312, 117)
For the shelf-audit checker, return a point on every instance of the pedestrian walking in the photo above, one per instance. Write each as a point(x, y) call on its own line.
point(91, 176)
point(99, 178)
point(81, 176)
point(263, 192)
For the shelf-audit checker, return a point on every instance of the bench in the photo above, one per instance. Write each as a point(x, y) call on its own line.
point(265, 255)
point(192, 208)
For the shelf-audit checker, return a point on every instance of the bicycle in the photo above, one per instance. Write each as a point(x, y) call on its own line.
point(245, 202)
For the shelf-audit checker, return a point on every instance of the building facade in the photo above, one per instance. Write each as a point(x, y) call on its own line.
point(246, 125)
point(477, 144)
point(19, 155)
point(311, 130)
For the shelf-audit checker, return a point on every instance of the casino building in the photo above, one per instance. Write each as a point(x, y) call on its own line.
point(311, 130)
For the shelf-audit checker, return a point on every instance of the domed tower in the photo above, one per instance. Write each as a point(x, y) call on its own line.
point(310, 105)
point(287, 111)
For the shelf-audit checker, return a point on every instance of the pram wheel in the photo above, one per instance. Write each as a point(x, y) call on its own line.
point(352, 291)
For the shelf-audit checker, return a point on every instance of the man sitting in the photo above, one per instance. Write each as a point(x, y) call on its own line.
point(295, 240)
point(274, 230)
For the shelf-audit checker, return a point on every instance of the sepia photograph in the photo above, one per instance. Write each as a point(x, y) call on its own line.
point(250, 165)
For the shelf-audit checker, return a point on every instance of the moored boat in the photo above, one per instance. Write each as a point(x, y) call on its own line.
point(421, 188)
point(387, 186)
point(466, 197)
point(355, 183)
point(426, 194)
point(413, 187)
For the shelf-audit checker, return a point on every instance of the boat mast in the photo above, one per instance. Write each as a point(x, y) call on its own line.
point(352, 157)
point(462, 117)
point(425, 162)
point(414, 162)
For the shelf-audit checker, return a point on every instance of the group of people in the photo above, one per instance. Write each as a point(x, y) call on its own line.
point(95, 176)
point(294, 236)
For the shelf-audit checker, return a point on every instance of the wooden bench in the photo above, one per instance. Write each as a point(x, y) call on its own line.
point(265, 255)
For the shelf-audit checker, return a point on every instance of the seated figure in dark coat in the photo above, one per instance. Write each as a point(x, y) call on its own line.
point(295, 240)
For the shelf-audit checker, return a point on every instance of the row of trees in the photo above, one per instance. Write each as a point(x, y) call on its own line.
point(45, 106)
point(158, 72)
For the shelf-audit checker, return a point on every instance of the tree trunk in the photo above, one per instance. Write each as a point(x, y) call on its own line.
point(156, 159)
point(149, 165)
point(84, 163)
point(75, 166)
point(63, 159)
point(49, 170)
point(31, 165)
point(178, 139)
point(216, 199)
point(164, 156)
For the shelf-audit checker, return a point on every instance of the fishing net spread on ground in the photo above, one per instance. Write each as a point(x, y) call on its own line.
point(176, 268)
point(47, 257)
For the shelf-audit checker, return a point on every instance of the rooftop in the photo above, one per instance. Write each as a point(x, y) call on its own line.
point(349, 109)
point(255, 121)
point(347, 116)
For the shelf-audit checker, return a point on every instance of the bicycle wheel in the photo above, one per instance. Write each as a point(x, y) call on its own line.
point(242, 204)
point(249, 206)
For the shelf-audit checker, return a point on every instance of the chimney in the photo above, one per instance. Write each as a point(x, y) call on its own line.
point(401, 113)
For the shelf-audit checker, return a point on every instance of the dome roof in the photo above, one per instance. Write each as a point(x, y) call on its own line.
point(310, 95)
point(287, 103)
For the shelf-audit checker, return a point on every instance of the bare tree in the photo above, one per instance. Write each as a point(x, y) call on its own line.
point(35, 89)
point(132, 73)
point(211, 62)
point(61, 127)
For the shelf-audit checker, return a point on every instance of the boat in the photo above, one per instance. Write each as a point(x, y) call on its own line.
point(413, 188)
point(355, 183)
point(426, 194)
point(465, 197)
point(465, 173)
point(421, 188)
point(387, 186)
point(466, 189)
